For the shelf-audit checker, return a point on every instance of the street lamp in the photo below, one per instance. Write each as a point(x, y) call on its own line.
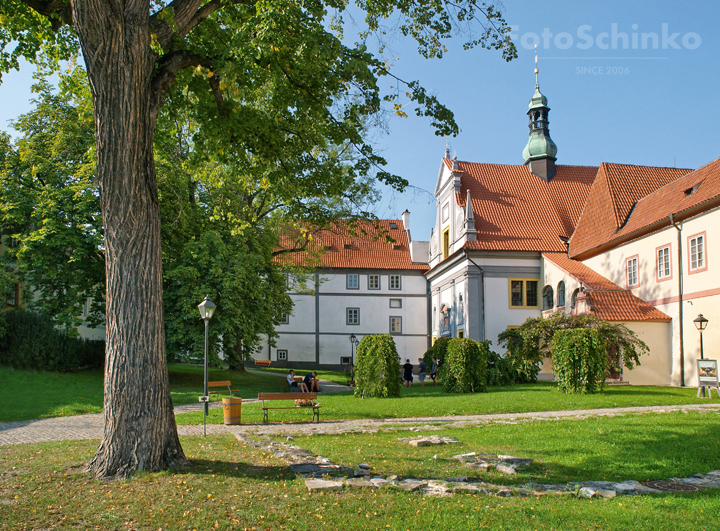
point(207, 309)
point(701, 324)
point(353, 343)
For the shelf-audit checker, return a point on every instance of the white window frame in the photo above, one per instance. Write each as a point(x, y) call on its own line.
point(348, 319)
point(397, 302)
point(631, 271)
point(391, 283)
point(349, 284)
point(395, 324)
point(371, 278)
point(282, 355)
point(664, 265)
point(697, 257)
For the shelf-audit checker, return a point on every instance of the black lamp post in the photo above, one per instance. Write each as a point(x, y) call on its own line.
point(207, 309)
point(353, 343)
point(701, 324)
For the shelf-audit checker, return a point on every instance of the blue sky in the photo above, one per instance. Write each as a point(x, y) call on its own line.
point(655, 106)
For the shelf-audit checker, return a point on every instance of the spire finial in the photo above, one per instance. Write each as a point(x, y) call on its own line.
point(537, 85)
point(447, 148)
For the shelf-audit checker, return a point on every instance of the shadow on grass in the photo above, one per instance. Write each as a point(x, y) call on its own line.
point(238, 469)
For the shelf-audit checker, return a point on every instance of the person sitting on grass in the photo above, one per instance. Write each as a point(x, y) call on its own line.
point(311, 381)
point(295, 385)
point(407, 373)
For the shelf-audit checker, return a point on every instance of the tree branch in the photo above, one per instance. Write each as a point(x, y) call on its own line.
point(58, 11)
point(169, 65)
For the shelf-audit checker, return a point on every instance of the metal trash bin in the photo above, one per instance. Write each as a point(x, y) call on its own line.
point(231, 411)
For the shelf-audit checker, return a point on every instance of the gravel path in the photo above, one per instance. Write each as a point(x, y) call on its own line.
point(91, 426)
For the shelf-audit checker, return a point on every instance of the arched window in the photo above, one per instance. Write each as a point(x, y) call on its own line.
point(561, 293)
point(547, 295)
point(574, 296)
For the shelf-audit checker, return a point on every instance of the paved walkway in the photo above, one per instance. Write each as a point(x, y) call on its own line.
point(91, 426)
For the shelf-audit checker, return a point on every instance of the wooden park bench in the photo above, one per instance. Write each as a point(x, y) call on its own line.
point(221, 384)
point(262, 363)
point(267, 397)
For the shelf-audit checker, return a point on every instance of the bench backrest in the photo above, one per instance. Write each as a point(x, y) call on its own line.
point(286, 396)
point(220, 384)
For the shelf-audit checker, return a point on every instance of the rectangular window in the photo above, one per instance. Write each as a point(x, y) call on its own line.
point(396, 325)
point(663, 263)
point(461, 333)
point(373, 281)
point(14, 298)
point(395, 303)
point(345, 360)
point(282, 355)
point(395, 282)
point(523, 293)
point(352, 281)
point(696, 253)
point(446, 243)
point(285, 319)
point(353, 316)
point(632, 271)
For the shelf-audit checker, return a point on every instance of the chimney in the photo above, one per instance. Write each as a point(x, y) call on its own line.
point(406, 222)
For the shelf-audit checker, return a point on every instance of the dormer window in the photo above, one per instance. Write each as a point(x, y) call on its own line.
point(347, 246)
point(397, 247)
point(691, 191)
point(393, 225)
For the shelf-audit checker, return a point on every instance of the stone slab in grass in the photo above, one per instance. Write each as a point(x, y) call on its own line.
point(429, 441)
point(323, 484)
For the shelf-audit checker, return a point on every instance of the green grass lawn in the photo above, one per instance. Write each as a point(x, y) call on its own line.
point(232, 486)
point(433, 401)
point(27, 395)
point(634, 446)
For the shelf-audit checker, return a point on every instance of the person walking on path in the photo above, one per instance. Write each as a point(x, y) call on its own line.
point(433, 371)
point(407, 373)
point(422, 372)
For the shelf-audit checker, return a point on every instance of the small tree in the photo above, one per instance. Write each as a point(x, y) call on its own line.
point(377, 367)
point(500, 370)
point(580, 360)
point(465, 366)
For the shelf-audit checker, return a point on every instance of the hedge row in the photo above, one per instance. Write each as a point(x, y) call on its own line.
point(29, 340)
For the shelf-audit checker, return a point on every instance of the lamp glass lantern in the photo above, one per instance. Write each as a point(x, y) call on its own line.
point(207, 308)
point(700, 322)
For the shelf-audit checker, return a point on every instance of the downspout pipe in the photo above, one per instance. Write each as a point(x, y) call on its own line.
point(680, 297)
point(482, 286)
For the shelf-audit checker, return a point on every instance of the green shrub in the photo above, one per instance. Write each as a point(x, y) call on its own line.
point(428, 357)
point(500, 370)
point(440, 349)
point(529, 344)
point(580, 360)
point(465, 366)
point(31, 341)
point(377, 367)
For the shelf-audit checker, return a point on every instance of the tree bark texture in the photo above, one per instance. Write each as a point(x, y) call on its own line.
point(140, 431)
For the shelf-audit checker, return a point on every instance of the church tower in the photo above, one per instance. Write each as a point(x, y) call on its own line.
point(539, 153)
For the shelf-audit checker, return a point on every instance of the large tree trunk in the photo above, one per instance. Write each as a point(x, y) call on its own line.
point(140, 431)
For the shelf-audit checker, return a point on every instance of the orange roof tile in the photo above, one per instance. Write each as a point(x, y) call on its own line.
point(607, 300)
point(623, 306)
point(368, 248)
point(516, 210)
point(677, 197)
point(582, 273)
point(617, 189)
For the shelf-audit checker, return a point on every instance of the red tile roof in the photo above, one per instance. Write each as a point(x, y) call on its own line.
point(516, 210)
point(677, 197)
point(607, 300)
point(365, 247)
point(611, 203)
